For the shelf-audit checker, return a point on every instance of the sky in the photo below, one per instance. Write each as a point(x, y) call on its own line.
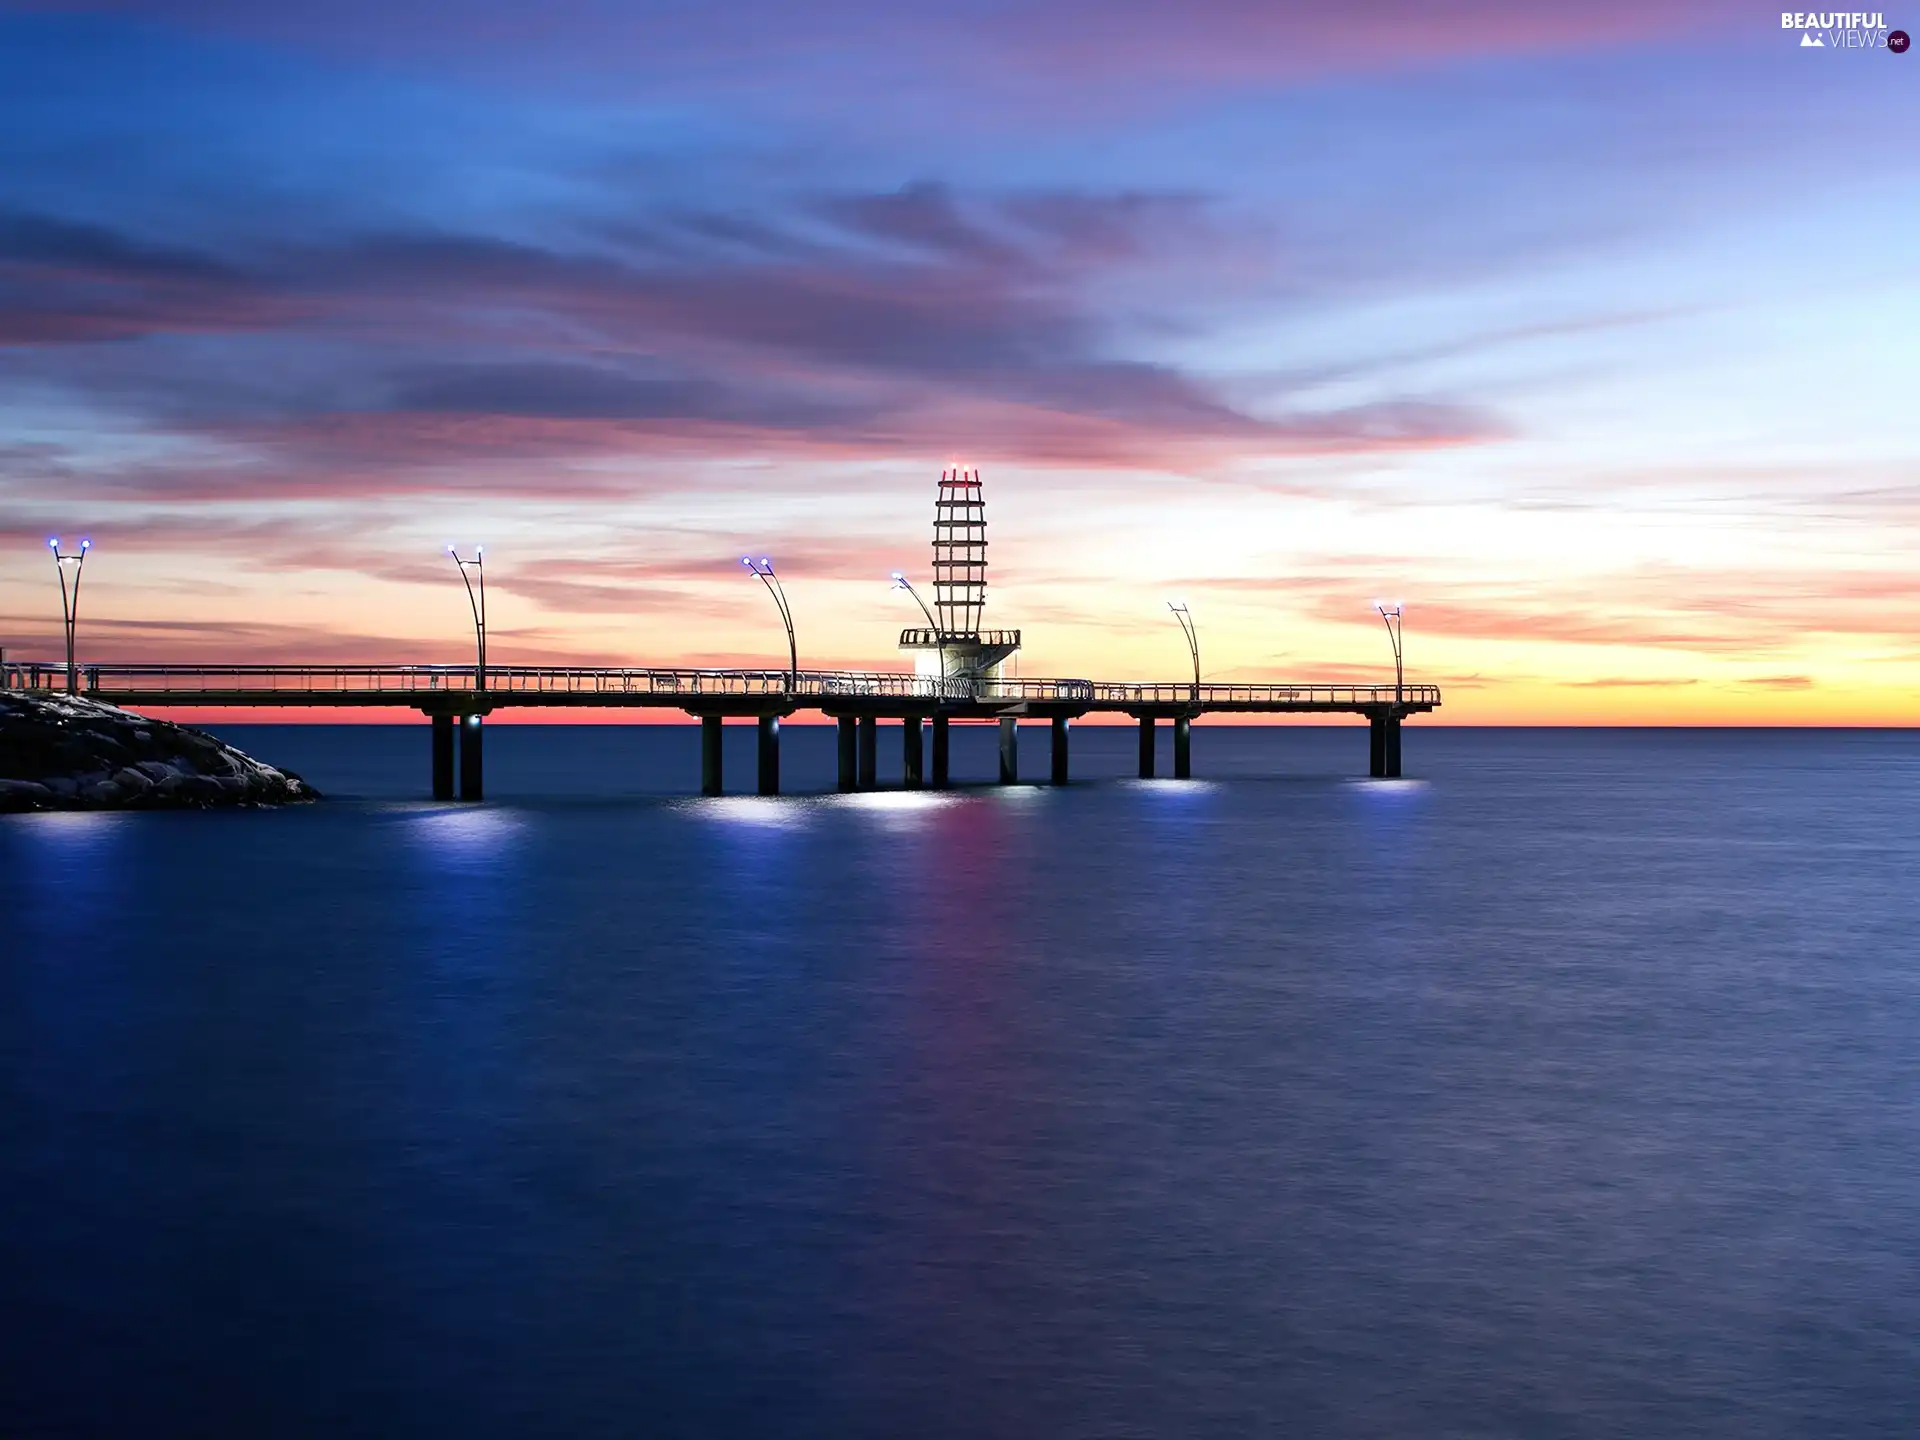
point(1589, 333)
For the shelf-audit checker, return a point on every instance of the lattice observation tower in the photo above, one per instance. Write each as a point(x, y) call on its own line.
point(958, 647)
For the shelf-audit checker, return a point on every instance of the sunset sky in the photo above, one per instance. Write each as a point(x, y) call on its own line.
point(1591, 333)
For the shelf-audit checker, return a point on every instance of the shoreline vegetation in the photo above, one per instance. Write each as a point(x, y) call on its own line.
point(64, 752)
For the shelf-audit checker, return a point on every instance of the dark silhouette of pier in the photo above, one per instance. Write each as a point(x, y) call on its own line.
point(456, 704)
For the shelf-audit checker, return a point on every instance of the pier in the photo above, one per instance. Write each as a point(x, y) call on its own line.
point(456, 699)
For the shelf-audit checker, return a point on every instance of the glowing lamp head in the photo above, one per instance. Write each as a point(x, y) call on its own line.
point(765, 564)
point(86, 544)
point(478, 551)
point(53, 542)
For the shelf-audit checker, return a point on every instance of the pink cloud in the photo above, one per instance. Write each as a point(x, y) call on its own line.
point(1709, 611)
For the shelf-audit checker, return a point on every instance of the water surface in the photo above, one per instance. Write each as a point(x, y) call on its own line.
point(1568, 1088)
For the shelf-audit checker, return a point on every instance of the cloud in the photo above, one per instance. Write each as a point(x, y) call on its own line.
point(1621, 682)
point(1708, 611)
point(679, 583)
point(64, 247)
point(117, 638)
point(876, 323)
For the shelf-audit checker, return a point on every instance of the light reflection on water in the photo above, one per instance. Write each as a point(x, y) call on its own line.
point(71, 835)
point(67, 860)
point(1022, 794)
point(1173, 789)
point(897, 802)
point(783, 812)
point(772, 812)
point(466, 830)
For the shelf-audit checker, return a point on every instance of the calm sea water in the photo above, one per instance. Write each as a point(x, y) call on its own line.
point(1571, 1088)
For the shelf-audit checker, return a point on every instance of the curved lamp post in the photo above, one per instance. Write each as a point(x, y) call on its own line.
point(1185, 617)
point(471, 570)
point(772, 581)
point(900, 582)
point(1390, 613)
point(70, 600)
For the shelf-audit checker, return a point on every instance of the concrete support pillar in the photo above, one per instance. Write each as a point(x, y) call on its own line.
point(471, 766)
point(1393, 749)
point(769, 754)
point(1146, 747)
point(711, 781)
point(911, 752)
point(1059, 749)
point(939, 752)
point(1182, 748)
point(1009, 750)
point(869, 743)
point(442, 757)
point(1377, 746)
point(849, 739)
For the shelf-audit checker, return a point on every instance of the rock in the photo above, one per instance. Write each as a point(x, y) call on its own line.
point(67, 752)
point(17, 795)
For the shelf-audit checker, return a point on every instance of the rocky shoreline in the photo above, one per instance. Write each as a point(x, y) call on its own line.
point(64, 752)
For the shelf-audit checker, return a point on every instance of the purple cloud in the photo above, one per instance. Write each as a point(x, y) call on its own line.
point(853, 323)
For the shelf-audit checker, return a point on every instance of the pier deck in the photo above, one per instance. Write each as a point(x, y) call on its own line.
point(456, 697)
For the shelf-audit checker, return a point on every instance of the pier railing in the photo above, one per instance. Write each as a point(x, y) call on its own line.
point(1175, 693)
point(295, 681)
point(428, 680)
point(15, 676)
point(919, 637)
